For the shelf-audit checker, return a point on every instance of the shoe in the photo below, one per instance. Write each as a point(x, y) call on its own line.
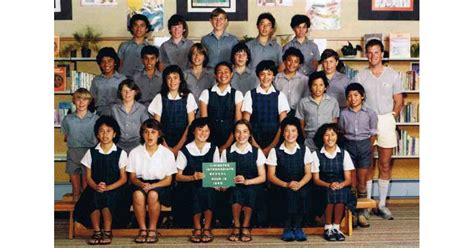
point(366, 213)
point(385, 213)
point(141, 237)
point(152, 238)
point(355, 219)
point(207, 236)
point(95, 238)
point(363, 222)
point(329, 235)
point(288, 235)
point(299, 234)
point(338, 235)
point(106, 238)
point(245, 237)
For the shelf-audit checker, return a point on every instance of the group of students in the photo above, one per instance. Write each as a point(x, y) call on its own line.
point(152, 127)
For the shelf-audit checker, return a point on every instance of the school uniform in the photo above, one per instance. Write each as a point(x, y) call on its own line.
point(129, 124)
point(221, 111)
point(149, 87)
point(153, 168)
point(175, 54)
point(219, 49)
point(337, 88)
point(244, 82)
point(129, 52)
point(310, 51)
point(190, 198)
point(197, 85)
point(174, 115)
point(265, 109)
point(105, 167)
point(104, 92)
point(269, 51)
point(294, 88)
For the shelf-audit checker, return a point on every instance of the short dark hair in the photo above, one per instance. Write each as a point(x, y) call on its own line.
point(132, 85)
point(183, 88)
point(266, 65)
point(374, 42)
point(154, 124)
point(293, 51)
point(238, 48)
point(198, 122)
point(201, 49)
point(110, 122)
point(292, 121)
point(328, 53)
point(298, 19)
point(355, 87)
point(218, 11)
point(150, 50)
point(315, 75)
point(267, 16)
point(108, 52)
point(137, 17)
point(318, 137)
point(224, 63)
point(175, 20)
point(246, 123)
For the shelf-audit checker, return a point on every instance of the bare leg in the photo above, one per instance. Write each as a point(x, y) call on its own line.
point(107, 219)
point(153, 214)
point(246, 225)
point(76, 186)
point(139, 208)
point(207, 225)
point(362, 179)
point(236, 209)
point(338, 213)
point(353, 179)
point(328, 213)
point(247, 216)
point(95, 220)
point(385, 168)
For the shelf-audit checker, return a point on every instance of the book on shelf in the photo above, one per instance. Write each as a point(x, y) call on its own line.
point(56, 45)
point(409, 113)
point(59, 78)
point(63, 109)
point(81, 80)
point(399, 45)
point(349, 72)
point(410, 80)
point(407, 145)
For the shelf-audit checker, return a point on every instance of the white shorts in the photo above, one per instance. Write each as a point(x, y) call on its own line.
point(386, 133)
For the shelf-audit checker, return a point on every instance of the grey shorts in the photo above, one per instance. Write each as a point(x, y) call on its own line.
point(361, 152)
point(73, 161)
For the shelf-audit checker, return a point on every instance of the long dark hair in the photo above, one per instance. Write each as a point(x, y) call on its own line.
point(183, 86)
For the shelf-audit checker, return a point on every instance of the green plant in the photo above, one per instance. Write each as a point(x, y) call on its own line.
point(88, 39)
point(349, 50)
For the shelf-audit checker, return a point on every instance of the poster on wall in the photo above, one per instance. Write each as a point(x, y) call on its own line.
point(98, 2)
point(199, 10)
point(274, 3)
point(62, 10)
point(396, 10)
point(152, 9)
point(324, 14)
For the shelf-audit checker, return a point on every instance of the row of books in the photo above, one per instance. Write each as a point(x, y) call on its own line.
point(410, 80)
point(410, 113)
point(81, 80)
point(407, 145)
point(63, 109)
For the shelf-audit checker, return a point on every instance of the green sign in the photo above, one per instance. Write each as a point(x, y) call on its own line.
point(218, 175)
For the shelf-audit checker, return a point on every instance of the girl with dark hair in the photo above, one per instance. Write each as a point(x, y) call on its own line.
point(105, 195)
point(174, 108)
point(151, 167)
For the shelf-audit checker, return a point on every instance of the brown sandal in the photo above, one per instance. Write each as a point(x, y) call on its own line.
point(141, 238)
point(95, 238)
point(196, 238)
point(106, 238)
point(234, 236)
point(206, 238)
point(152, 239)
point(247, 236)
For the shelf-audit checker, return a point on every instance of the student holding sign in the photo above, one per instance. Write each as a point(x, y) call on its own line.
point(250, 173)
point(189, 178)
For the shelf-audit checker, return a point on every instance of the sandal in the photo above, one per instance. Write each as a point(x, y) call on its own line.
point(152, 239)
point(206, 238)
point(234, 236)
point(245, 237)
point(196, 238)
point(106, 238)
point(141, 238)
point(95, 238)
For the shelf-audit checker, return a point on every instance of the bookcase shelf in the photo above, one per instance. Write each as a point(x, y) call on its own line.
point(411, 92)
point(59, 157)
point(402, 156)
point(74, 59)
point(67, 92)
point(384, 59)
point(408, 123)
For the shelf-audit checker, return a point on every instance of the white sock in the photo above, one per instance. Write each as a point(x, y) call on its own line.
point(369, 189)
point(335, 226)
point(327, 227)
point(383, 191)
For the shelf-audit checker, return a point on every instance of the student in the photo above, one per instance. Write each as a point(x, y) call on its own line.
point(290, 81)
point(222, 104)
point(300, 25)
point(104, 87)
point(289, 168)
point(199, 77)
point(174, 50)
point(359, 124)
point(129, 114)
point(332, 170)
point(174, 107)
point(243, 79)
point(263, 47)
point(151, 166)
point(149, 79)
point(106, 194)
point(218, 42)
point(249, 179)
point(129, 51)
point(316, 109)
point(383, 89)
point(189, 164)
point(78, 132)
point(265, 107)
point(337, 81)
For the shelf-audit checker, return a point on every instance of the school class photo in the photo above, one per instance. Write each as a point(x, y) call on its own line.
point(236, 122)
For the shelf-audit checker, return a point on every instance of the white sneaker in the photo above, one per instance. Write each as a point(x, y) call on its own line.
point(385, 213)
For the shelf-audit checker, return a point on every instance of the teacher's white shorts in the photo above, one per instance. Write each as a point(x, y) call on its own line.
point(386, 133)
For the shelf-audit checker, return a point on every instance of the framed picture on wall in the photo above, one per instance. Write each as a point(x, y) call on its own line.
point(62, 10)
point(395, 10)
point(98, 2)
point(199, 10)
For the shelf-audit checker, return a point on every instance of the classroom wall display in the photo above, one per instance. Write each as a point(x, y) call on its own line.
point(62, 10)
point(324, 14)
point(274, 3)
point(389, 10)
point(153, 9)
point(199, 10)
point(99, 2)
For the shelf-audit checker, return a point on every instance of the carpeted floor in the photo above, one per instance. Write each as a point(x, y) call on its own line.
point(401, 232)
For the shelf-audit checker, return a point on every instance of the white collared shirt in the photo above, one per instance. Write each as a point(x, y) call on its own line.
point(87, 159)
point(272, 157)
point(282, 101)
point(205, 94)
point(182, 162)
point(156, 106)
point(261, 159)
point(155, 167)
point(348, 165)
